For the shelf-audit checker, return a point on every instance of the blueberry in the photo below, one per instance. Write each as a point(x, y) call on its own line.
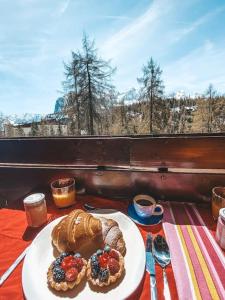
point(78, 255)
point(103, 275)
point(58, 274)
point(57, 262)
point(107, 248)
point(94, 257)
point(64, 254)
point(99, 252)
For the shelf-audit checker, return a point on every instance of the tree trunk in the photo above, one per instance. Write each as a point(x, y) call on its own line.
point(90, 104)
point(151, 111)
point(77, 106)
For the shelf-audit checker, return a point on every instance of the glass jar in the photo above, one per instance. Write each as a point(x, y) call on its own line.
point(218, 200)
point(64, 192)
point(220, 229)
point(36, 210)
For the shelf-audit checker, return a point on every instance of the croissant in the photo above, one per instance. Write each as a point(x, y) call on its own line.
point(76, 231)
point(112, 235)
point(81, 232)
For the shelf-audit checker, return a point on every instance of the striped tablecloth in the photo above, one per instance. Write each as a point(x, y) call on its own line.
point(197, 260)
point(198, 264)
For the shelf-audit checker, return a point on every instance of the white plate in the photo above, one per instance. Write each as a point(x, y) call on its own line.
point(40, 256)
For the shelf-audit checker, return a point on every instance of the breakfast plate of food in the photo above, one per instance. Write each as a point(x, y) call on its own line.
point(85, 255)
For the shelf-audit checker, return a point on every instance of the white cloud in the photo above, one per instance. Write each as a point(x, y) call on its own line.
point(129, 34)
point(179, 34)
point(194, 71)
point(63, 7)
point(115, 17)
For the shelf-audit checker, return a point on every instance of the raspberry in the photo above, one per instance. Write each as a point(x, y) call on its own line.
point(114, 254)
point(103, 260)
point(71, 274)
point(78, 263)
point(113, 266)
point(68, 258)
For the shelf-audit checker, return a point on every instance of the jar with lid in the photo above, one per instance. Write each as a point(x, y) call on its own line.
point(220, 229)
point(36, 210)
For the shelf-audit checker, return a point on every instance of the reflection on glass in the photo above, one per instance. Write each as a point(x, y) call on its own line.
point(218, 200)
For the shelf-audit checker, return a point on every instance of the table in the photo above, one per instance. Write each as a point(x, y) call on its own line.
point(180, 231)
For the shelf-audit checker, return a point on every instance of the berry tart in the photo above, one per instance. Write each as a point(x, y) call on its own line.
point(105, 267)
point(66, 271)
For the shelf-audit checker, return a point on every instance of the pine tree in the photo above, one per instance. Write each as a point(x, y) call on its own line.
point(72, 87)
point(152, 87)
point(210, 94)
point(88, 80)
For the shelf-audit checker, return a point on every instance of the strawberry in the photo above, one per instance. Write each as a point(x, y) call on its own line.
point(68, 262)
point(103, 260)
point(114, 254)
point(113, 266)
point(67, 258)
point(71, 274)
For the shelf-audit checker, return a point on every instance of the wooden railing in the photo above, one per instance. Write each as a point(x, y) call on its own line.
point(181, 167)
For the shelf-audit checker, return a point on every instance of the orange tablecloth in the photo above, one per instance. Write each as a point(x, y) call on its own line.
point(15, 236)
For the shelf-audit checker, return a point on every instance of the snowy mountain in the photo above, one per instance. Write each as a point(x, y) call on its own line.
point(129, 97)
point(24, 118)
point(59, 104)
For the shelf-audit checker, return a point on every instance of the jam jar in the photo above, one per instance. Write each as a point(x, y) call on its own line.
point(36, 210)
point(220, 229)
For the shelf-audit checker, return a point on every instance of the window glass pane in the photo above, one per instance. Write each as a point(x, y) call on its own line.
point(71, 68)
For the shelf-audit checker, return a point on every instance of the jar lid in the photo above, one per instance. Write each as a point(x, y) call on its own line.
point(34, 199)
point(222, 213)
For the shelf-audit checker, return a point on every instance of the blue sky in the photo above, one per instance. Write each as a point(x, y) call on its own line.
point(187, 39)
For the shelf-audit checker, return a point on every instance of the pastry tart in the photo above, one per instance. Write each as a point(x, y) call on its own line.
point(105, 267)
point(66, 271)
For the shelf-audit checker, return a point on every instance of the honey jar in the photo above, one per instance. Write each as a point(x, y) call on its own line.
point(36, 210)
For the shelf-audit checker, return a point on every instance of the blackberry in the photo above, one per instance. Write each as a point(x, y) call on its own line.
point(77, 255)
point(95, 265)
point(103, 274)
point(99, 252)
point(57, 262)
point(94, 273)
point(107, 248)
point(58, 274)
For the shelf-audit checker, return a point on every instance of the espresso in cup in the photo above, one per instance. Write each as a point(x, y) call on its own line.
point(146, 206)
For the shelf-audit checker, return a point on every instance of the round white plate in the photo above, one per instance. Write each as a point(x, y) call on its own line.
point(40, 256)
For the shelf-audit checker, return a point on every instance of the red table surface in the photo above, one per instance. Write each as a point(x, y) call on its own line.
point(15, 236)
